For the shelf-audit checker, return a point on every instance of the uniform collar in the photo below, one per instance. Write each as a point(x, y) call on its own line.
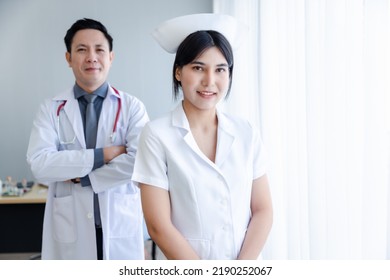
point(179, 119)
point(225, 140)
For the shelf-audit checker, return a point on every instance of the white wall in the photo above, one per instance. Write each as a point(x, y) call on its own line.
point(33, 66)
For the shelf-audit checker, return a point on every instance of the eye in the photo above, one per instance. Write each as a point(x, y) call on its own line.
point(81, 50)
point(100, 50)
point(197, 68)
point(221, 69)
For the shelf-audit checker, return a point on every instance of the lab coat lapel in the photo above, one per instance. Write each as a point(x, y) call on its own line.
point(107, 118)
point(72, 111)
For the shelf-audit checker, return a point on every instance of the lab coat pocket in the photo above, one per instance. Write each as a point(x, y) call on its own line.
point(125, 216)
point(63, 219)
point(201, 247)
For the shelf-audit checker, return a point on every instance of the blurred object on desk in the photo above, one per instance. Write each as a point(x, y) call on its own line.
point(15, 189)
point(36, 194)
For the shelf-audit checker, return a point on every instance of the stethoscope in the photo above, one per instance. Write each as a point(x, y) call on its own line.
point(113, 134)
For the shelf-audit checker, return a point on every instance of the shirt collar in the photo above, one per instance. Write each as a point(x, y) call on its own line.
point(100, 91)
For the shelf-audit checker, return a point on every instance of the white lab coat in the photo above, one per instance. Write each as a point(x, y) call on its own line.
point(69, 230)
point(210, 202)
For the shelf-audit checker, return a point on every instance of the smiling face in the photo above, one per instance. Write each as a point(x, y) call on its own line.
point(90, 59)
point(205, 80)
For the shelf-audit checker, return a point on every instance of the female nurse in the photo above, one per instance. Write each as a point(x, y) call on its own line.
point(204, 188)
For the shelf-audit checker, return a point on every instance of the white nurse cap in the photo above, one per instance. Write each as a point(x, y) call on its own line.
point(171, 33)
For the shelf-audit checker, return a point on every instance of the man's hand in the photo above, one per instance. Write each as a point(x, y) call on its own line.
point(112, 152)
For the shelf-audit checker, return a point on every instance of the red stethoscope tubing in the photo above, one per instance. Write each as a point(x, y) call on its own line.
point(118, 111)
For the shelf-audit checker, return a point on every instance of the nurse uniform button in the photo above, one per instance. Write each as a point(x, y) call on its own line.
point(89, 216)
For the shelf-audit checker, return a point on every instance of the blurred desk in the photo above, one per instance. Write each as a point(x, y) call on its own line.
point(21, 221)
point(36, 195)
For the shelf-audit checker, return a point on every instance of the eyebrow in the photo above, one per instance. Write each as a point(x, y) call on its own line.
point(81, 45)
point(86, 46)
point(218, 65)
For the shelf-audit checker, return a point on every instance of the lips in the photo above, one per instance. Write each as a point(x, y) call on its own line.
point(206, 93)
point(91, 69)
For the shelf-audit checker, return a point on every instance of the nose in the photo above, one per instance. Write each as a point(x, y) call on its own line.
point(91, 57)
point(208, 78)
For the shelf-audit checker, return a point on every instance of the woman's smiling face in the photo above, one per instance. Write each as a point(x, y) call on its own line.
point(205, 80)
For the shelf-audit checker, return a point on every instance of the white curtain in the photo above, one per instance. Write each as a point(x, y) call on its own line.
point(315, 76)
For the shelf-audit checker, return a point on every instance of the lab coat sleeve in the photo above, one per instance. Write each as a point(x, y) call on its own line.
point(48, 163)
point(120, 169)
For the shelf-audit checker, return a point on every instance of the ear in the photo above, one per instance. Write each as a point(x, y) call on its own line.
point(112, 55)
point(178, 73)
point(68, 58)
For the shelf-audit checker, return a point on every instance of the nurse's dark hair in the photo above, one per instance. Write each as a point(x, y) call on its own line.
point(193, 46)
point(86, 23)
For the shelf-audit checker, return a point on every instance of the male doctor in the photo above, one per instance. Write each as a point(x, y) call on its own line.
point(85, 153)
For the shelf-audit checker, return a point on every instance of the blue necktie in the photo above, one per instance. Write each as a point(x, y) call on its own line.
point(91, 122)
